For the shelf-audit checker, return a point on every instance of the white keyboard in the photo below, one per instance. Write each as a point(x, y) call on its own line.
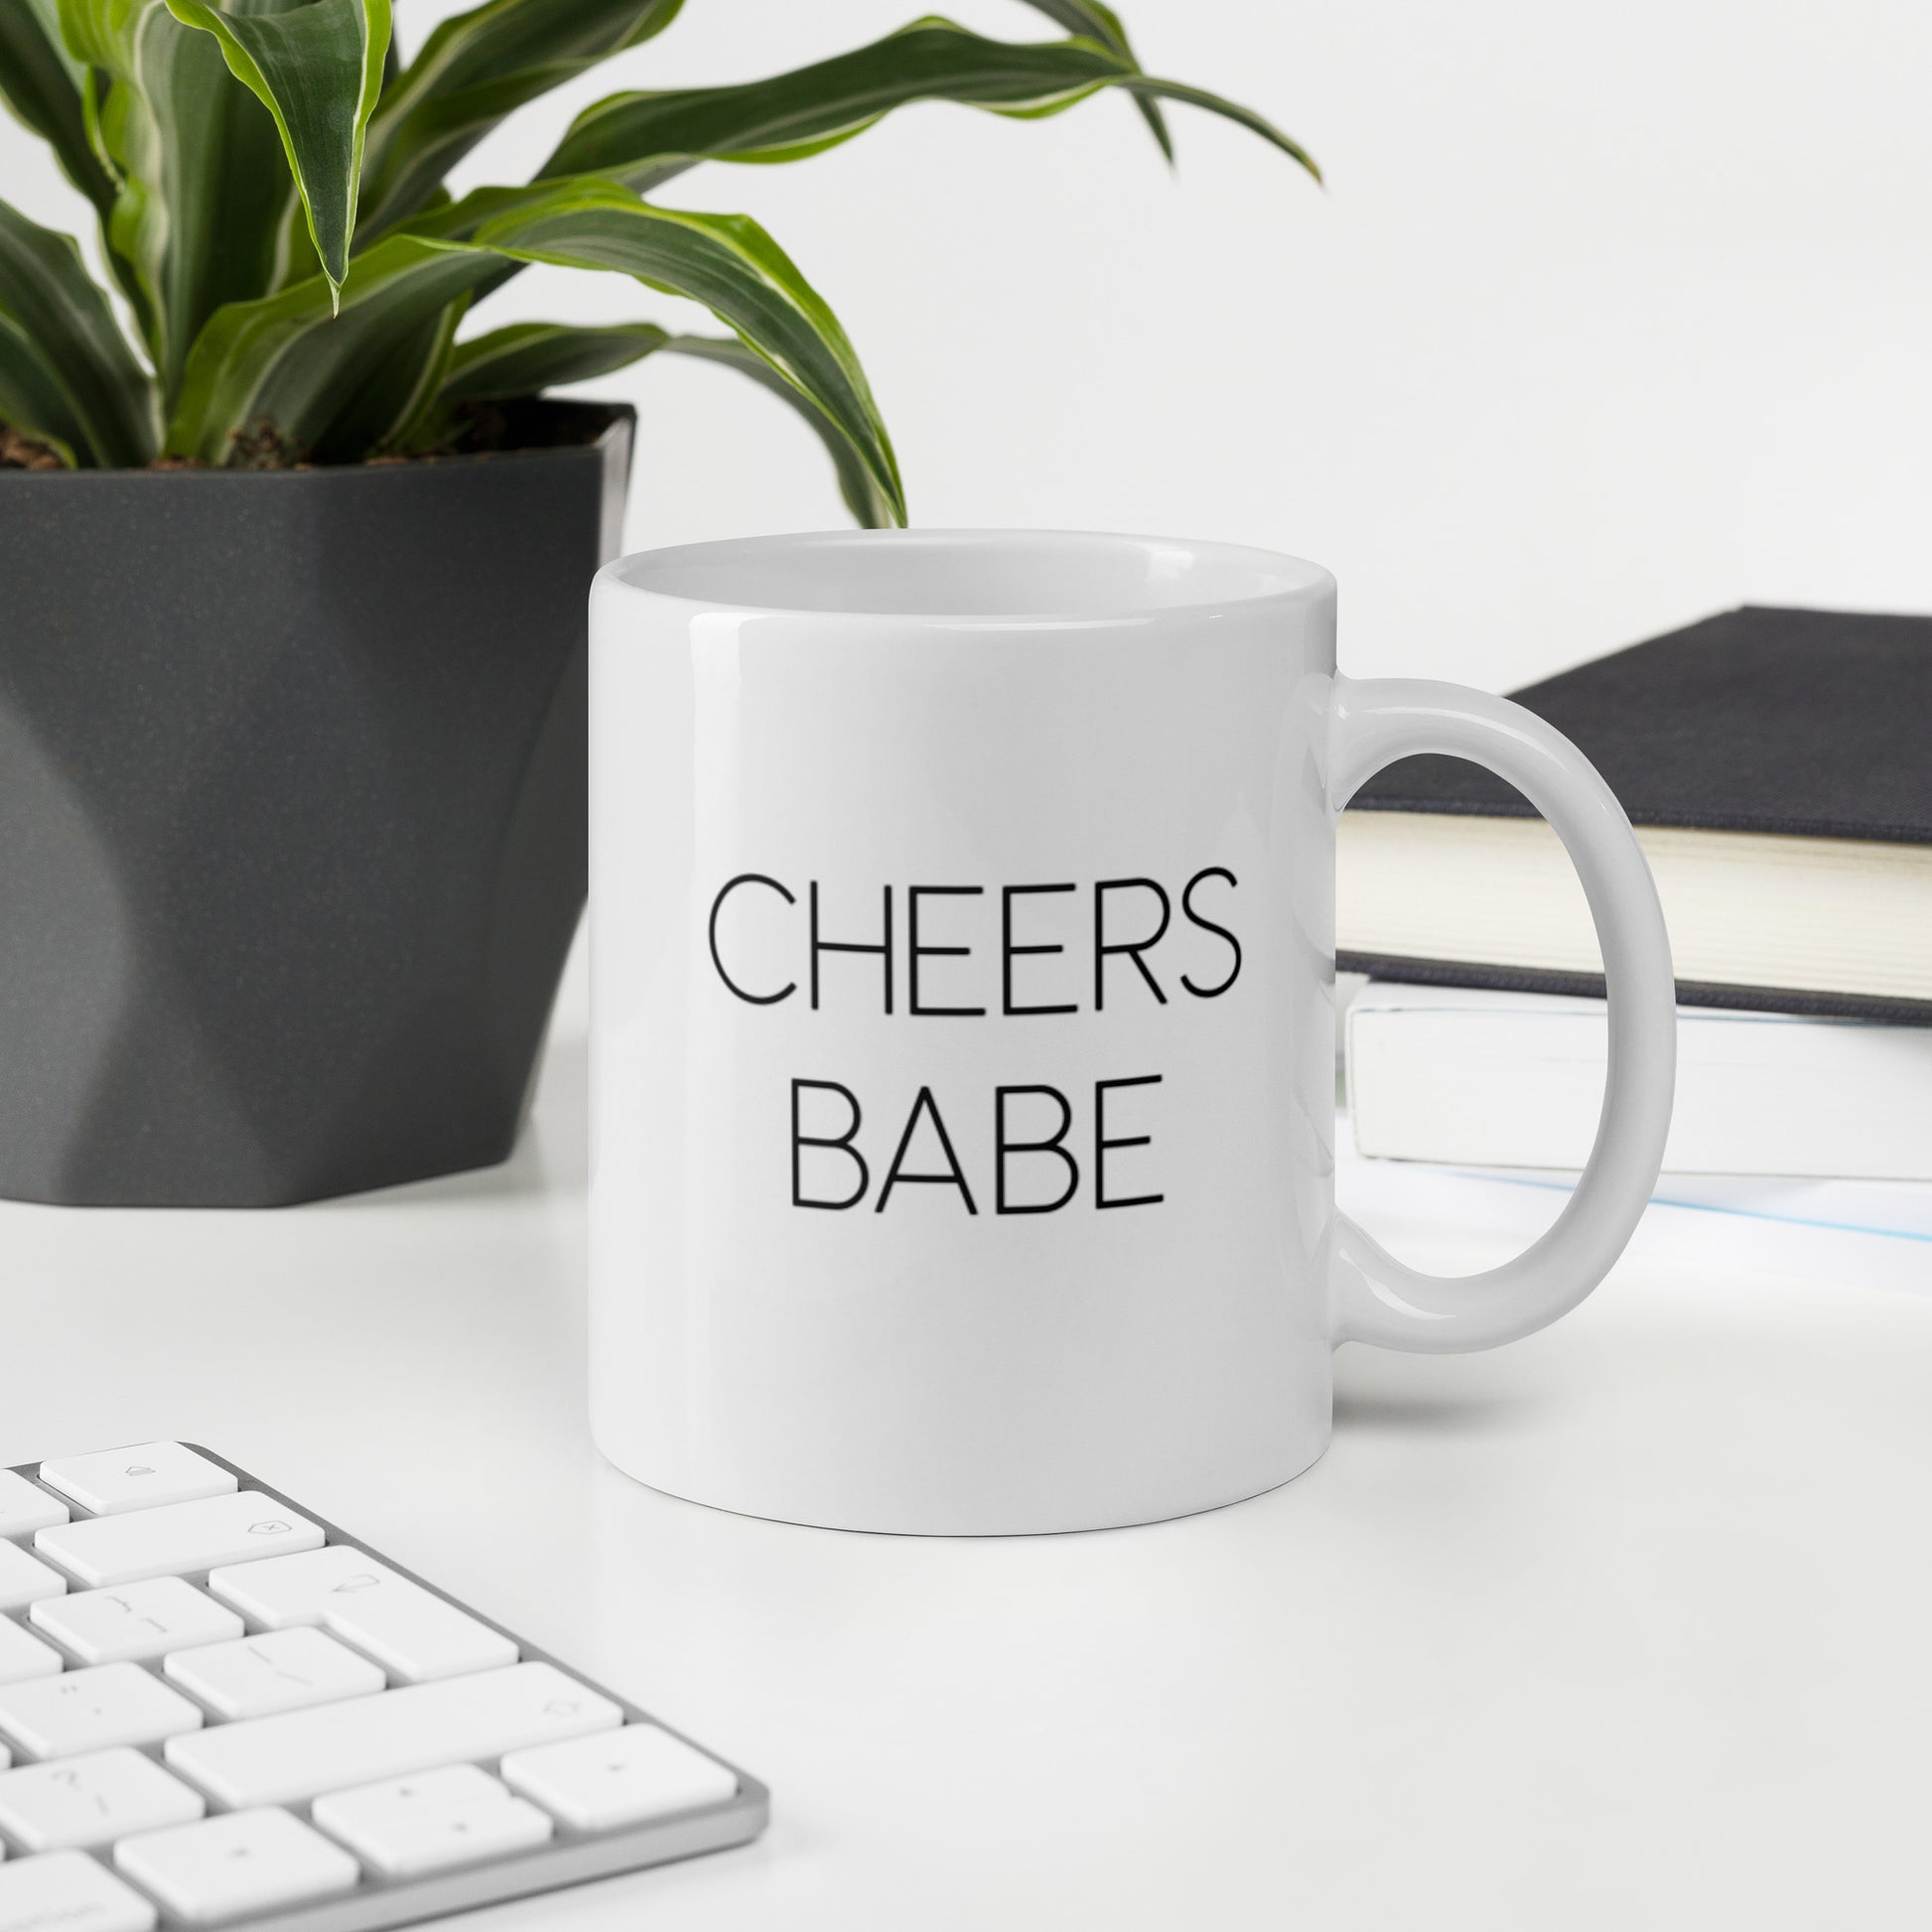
point(215, 1709)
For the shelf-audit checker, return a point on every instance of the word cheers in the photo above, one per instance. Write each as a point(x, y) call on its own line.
point(1082, 945)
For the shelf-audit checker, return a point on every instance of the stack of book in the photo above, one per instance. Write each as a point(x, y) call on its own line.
point(1777, 766)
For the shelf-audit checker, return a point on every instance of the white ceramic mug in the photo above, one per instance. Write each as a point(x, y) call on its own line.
point(963, 1035)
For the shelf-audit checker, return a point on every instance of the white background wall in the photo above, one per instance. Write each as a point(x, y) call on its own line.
point(1606, 318)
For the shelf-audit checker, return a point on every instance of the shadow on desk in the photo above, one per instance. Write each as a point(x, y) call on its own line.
point(1493, 1392)
point(1385, 1413)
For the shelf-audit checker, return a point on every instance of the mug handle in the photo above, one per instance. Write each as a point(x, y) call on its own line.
point(1374, 1296)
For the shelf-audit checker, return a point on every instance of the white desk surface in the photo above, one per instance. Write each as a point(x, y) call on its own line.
point(1629, 1625)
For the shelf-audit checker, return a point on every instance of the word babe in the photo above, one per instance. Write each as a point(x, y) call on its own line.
point(1026, 952)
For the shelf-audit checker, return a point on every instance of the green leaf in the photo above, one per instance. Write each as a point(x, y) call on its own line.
point(405, 395)
point(283, 362)
point(294, 367)
point(32, 399)
point(725, 261)
point(41, 86)
point(317, 68)
point(644, 139)
point(1091, 21)
point(862, 497)
point(529, 357)
point(472, 70)
point(1147, 86)
point(203, 212)
point(55, 309)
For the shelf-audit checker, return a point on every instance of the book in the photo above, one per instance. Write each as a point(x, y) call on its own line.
point(1481, 1077)
point(1858, 1235)
point(1777, 765)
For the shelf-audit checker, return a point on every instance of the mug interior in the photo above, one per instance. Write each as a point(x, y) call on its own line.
point(984, 575)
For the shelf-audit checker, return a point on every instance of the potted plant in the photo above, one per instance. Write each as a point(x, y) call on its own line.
point(292, 660)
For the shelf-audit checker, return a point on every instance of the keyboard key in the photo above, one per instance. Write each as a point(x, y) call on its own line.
point(78, 1802)
point(303, 1753)
point(227, 1868)
point(23, 1655)
point(455, 1787)
point(24, 1579)
point(25, 1509)
point(66, 1891)
point(411, 1631)
point(441, 1840)
point(406, 1826)
point(112, 1481)
point(138, 1622)
point(91, 1709)
point(283, 1670)
point(621, 1778)
point(177, 1539)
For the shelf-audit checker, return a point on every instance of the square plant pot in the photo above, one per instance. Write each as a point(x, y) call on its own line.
point(292, 813)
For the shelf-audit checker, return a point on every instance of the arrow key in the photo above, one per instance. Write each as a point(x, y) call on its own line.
point(405, 1827)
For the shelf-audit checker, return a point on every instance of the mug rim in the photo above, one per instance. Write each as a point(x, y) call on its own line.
point(1150, 579)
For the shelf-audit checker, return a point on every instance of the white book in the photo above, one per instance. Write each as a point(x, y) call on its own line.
point(1850, 917)
point(1480, 1078)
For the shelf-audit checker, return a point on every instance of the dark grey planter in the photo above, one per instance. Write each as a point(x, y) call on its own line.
point(292, 814)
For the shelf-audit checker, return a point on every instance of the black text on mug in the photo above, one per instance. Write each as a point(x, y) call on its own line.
point(1011, 952)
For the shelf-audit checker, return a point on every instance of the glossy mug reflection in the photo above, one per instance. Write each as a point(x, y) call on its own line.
point(963, 968)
